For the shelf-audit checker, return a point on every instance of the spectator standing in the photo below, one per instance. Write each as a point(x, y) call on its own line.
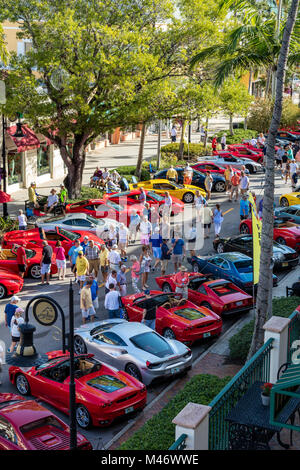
point(218, 219)
point(286, 171)
point(279, 154)
point(149, 312)
point(244, 183)
point(104, 262)
point(208, 182)
point(167, 206)
point(142, 196)
point(293, 173)
point(284, 162)
point(235, 182)
point(173, 133)
point(145, 262)
point(121, 280)
point(261, 140)
point(146, 230)
point(289, 152)
point(165, 227)
point(181, 280)
point(94, 291)
point(165, 256)
point(207, 220)
point(223, 141)
point(15, 323)
point(86, 302)
point(32, 196)
point(191, 238)
point(178, 249)
point(92, 254)
point(172, 174)
point(22, 220)
point(46, 262)
point(112, 279)
point(244, 207)
point(135, 273)
point(72, 254)
point(154, 217)
point(228, 174)
point(214, 143)
point(112, 236)
point(85, 243)
point(82, 267)
point(21, 259)
point(114, 258)
point(63, 196)
point(187, 174)
point(155, 242)
point(10, 309)
point(112, 302)
point(253, 142)
point(61, 262)
point(199, 204)
point(134, 224)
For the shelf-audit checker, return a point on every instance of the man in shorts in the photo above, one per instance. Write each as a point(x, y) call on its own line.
point(178, 251)
point(86, 302)
point(21, 259)
point(165, 256)
point(46, 262)
point(82, 266)
point(104, 263)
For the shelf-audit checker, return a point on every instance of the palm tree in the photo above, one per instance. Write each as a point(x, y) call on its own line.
point(264, 302)
point(252, 45)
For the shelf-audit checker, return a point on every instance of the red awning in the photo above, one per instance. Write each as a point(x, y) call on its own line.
point(4, 197)
point(28, 142)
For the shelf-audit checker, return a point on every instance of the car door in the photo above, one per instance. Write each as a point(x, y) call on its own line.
point(135, 311)
point(215, 264)
point(110, 347)
point(48, 385)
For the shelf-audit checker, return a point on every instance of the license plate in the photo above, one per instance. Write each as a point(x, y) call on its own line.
point(175, 370)
point(206, 335)
point(285, 264)
point(129, 410)
point(239, 303)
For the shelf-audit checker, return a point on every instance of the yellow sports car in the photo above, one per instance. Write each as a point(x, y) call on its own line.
point(184, 192)
point(290, 199)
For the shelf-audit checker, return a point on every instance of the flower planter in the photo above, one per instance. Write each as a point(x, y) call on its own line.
point(265, 400)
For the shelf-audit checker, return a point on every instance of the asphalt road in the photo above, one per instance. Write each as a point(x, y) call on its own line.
point(48, 339)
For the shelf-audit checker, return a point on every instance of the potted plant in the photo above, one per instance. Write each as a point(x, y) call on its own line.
point(265, 393)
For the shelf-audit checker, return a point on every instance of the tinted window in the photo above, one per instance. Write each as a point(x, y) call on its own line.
point(244, 266)
point(70, 235)
point(47, 421)
point(7, 431)
point(152, 343)
point(114, 339)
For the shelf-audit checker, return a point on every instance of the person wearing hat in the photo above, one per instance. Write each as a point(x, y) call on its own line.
point(121, 280)
point(63, 195)
point(155, 243)
point(114, 258)
point(52, 201)
point(46, 262)
point(82, 266)
point(21, 258)
point(149, 311)
point(244, 207)
point(15, 323)
point(181, 280)
point(85, 243)
point(10, 309)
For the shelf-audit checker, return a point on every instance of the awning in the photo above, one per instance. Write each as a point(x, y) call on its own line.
point(28, 142)
point(9, 144)
point(43, 139)
point(4, 197)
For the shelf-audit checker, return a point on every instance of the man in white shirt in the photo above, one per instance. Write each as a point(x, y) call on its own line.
point(112, 279)
point(123, 241)
point(244, 183)
point(173, 133)
point(112, 302)
point(253, 142)
point(223, 141)
point(146, 230)
point(114, 258)
point(52, 201)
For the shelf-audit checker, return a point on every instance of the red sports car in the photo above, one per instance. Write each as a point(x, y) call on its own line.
point(27, 425)
point(10, 283)
point(243, 146)
point(285, 232)
point(219, 295)
point(102, 393)
point(175, 318)
point(243, 152)
point(131, 198)
point(212, 167)
point(8, 261)
point(34, 237)
point(101, 208)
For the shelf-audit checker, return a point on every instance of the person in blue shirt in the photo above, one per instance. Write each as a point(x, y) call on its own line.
point(94, 290)
point(10, 309)
point(165, 256)
point(73, 253)
point(244, 207)
point(85, 243)
point(156, 242)
point(178, 251)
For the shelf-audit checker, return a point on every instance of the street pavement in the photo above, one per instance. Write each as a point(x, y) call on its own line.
point(47, 339)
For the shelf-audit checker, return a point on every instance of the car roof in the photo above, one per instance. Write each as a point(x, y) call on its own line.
point(233, 256)
point(126, 331)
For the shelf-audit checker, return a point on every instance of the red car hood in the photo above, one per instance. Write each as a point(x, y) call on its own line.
point(7, 274)
point(295, 231)
point(205, 315)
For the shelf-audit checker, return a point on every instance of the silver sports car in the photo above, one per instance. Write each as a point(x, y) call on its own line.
point(234, 161)
point(133, 347)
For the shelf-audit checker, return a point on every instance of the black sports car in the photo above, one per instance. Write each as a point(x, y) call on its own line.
point(283, 255)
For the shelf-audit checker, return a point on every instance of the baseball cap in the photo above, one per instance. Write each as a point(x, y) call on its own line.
point(15, 298)
point(20, 310)
point(85, 237)
point(115, 246)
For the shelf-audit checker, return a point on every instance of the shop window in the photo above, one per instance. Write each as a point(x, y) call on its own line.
point(43, 161)
point(14, 168)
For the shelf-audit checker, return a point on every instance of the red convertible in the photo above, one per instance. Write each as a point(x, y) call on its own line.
point(284, 232)
point(34, 237)
point(131, 198)
point(10, 283)
point(8, 261)
point(175, 318)
point(102, 393)
point(101, 208)
point(242, 152)
point(219, 295)
point(27, 425)
point(212, 167)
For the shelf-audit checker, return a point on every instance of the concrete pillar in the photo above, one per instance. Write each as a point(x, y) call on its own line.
point(277, 328)
point(193, 421)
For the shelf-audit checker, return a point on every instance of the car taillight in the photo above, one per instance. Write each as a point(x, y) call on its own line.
point(104, 405)
point(188, 353)
point(153, 366)
point(85, 446)
point(143, 390)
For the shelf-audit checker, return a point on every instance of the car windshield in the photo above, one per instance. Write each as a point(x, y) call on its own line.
point(106, 383)
point(155, 196)
point(40, 423)
point(189, 313)
point(49, 363)
point(152, 343)
point(115, 206)
point(94, 220)
point(70, 235)
point(244, 266)
point(101, 328)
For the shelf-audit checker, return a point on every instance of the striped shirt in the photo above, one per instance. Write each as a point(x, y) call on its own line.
point(92, 252)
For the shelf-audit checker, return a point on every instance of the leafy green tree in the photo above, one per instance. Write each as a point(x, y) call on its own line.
point(260, 114)
point(234, 99)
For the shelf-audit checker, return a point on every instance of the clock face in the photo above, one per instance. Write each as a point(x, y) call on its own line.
point(45, 312)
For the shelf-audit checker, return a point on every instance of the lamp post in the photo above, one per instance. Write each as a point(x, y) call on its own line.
point(3, 101)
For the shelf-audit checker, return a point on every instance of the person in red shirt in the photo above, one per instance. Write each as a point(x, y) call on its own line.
point(181, 280)
point(214, 144)
point(21, 259)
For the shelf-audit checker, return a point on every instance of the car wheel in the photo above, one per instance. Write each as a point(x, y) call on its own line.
point(3, 291)
point(250, 169)
point(166, 287)
point(22, 385)
point(188, 197)
point(281, 241)
point(207, 305)
point(284, 202)
point(244, 228)
point(133, 370)
point(125, 315)
point(35, 271)
point(83, 417)
point(220, 247)
point(169, 334)
point(196, 268)
point(220, 187)
point(79, 345)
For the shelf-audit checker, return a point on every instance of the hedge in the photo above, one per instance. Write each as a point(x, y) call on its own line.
point(239, 343)
point(128, 171)
point(238, 136)
point(158, 432)
point(191, 150)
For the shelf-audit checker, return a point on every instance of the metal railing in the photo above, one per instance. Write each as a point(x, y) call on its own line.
point(256, 369)
point(180, 444)
point(293, 333)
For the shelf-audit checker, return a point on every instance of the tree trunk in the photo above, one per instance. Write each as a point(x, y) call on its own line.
point(75, 165)
point(138, 170)
point(181, 145)
point(206, 133)
point(263, 307)
point(230, 124)
point(268, 82)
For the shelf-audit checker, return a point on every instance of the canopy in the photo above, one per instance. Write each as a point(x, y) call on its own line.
point(28, 142)
point(4, 197)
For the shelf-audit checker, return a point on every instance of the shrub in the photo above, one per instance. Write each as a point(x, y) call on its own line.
point(192, 150)
point(7, 225)
point(158, 433)
point(239, 343)
point(260, 114)
point(238, 136)
point(126, 171)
